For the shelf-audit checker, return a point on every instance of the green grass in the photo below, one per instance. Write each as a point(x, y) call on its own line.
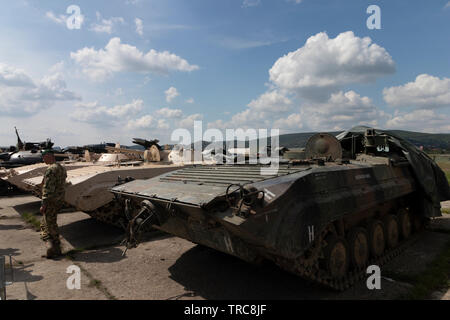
point(436, 277)
point(445, 166)
point(95, 283)
point(32, 220)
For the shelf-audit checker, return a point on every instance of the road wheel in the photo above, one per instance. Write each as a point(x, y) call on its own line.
point(418, 222)
point(404, 221)
point(377, 241)
point(391, 230)
point(358, 241)
point(336, 257)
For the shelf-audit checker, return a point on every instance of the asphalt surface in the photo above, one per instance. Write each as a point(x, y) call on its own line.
point(165, 267)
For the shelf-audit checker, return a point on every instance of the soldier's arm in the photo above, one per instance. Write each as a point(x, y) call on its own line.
point(48, 189)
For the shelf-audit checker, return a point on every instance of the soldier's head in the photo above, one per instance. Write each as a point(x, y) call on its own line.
point(48, 156)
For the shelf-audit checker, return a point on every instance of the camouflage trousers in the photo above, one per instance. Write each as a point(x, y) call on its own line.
point(49, 225)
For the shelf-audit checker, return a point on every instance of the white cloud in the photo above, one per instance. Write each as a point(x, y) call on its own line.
point(324, 65)
point(342, 111)
point(293, 122)
point(420, 120)
point(260, 112)
point(92, 112)
point(218, 124)
point(162, 124)
point(190, 100)
point(169, 113)
point(143, 122)
point(60, 19)
point(426, 92)
point(20, 95)
point(171, 94)
point(13, 77)
point(188, 122)
point(147, 122)
point(239, 43)
point(106, 25)
point(271, 101)
point(118, 57)
point(447, 5)
point(139, 26)
point(310, 81)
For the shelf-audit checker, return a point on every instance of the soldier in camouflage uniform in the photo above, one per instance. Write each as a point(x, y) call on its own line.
point(52, 200)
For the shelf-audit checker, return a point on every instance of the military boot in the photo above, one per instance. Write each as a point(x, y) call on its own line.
point(54, 251)
point(47, 248)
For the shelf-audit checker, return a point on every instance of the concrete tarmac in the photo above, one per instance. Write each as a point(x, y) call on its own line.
point(165, 267)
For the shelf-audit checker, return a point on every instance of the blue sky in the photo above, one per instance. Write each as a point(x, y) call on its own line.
point(142, 68)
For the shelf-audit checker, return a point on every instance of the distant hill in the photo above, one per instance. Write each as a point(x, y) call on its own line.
point(431, 142)
point(427, 140)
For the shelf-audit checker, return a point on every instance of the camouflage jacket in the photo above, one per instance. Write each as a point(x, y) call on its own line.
point(53, 183)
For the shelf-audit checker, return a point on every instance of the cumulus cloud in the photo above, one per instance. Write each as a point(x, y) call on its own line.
point(271, 101)
point(143, 122)
point(117, 57)
point(139, 26)
point(190, 100)
point(292, 122)
point(106, 25)
point(341, 111)
point(21, 95)
point(162, 124)
point(169, 113)
point(92, 112)
point(188, 122)
point(171, 94)
point(422, 119)
point(306, 86)
point(260, 112)
point(426, 92)
point(13, 77)
point(324, 65)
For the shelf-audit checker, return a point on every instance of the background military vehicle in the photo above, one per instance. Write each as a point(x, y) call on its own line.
point(87, 185)
point(24, 153)
point(354, 200)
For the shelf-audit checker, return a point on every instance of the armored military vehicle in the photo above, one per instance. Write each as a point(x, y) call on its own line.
point(353, 200)
point(87, 183)
point(25, 153)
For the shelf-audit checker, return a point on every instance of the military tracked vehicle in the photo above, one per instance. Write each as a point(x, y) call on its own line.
point(352, 200)
point(87, 183)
